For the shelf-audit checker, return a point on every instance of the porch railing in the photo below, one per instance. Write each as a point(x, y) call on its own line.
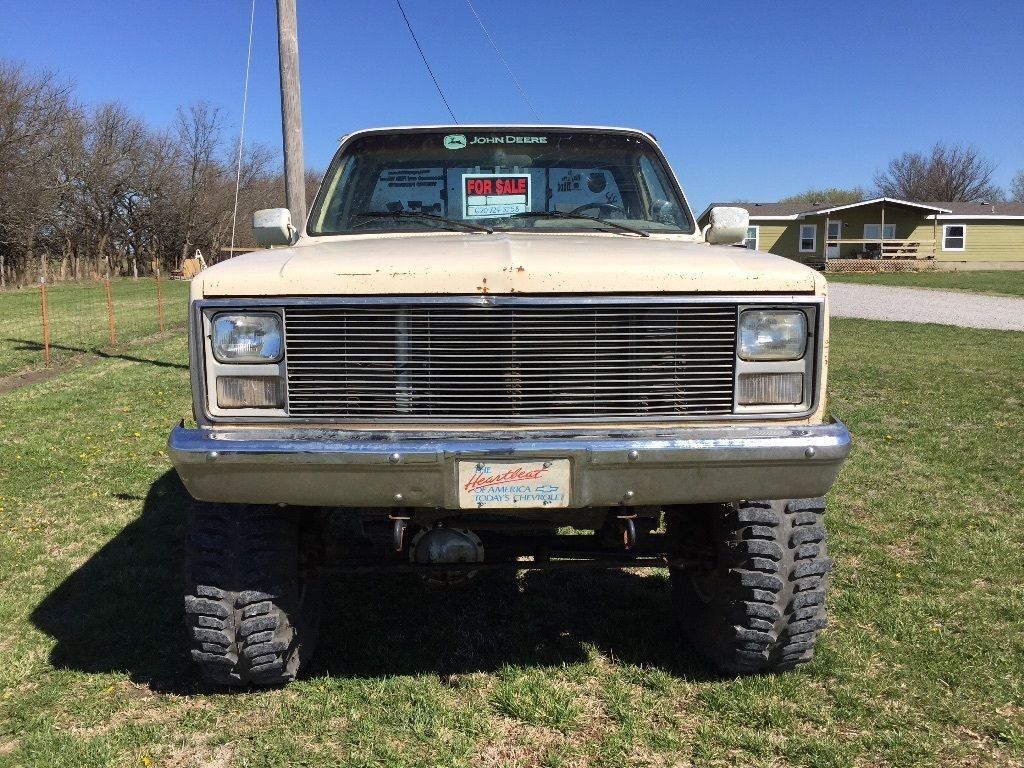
point(884, 248)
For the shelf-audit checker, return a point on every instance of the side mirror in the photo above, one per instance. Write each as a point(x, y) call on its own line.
point(728, 226)
point(273, 226)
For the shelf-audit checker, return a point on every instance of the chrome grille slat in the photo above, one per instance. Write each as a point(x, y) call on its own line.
point(470, 377)
point(511, 363)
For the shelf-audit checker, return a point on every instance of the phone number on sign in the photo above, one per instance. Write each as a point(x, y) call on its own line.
point(495, 210)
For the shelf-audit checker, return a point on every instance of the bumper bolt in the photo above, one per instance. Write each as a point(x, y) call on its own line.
point(633, 455)
point(212, 456)
point(628, 496)
point(397, 498)
point(809, 453)
point(394, 458)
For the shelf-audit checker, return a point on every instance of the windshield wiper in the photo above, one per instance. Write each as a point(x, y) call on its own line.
point(424, 215)
point(563, 215)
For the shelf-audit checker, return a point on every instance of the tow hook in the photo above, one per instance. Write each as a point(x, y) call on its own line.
point(628, 530)
point(398, 531)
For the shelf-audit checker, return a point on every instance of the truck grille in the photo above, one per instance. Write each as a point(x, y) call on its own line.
point(510, 363)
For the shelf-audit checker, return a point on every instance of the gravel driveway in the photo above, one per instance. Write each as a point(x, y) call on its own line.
point(922, 305)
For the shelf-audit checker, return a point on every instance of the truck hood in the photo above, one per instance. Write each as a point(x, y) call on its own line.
point(503, 264)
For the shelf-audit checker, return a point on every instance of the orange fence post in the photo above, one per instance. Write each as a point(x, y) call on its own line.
point(110, 315)
point(46, 323)
point(159, 301)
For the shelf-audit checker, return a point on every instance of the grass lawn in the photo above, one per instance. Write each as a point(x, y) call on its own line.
point(923, 663)
point(1004, 282)
point(78, 318)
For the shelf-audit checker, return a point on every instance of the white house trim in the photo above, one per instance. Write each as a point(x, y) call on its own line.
point(813, 238)
point(894, 200)
point(945, 228)
point(757, 236)
point(975, 217)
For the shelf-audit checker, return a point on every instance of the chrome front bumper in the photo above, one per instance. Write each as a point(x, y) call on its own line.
point(335, 467)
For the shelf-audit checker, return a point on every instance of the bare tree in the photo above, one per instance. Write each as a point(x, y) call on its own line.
point(36, 112)
point(108, 177)
point(199, 133)
point(1017, 188)
point(99, 192)
point(947, 173)
point(256, 166)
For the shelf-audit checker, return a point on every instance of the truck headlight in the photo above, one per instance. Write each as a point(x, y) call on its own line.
point(772, 334)
point(247, 338)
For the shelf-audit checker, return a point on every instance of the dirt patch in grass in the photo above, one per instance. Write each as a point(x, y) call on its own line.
point(16, 381)
point(27, 379)
point(199, 755)
point(515, 743)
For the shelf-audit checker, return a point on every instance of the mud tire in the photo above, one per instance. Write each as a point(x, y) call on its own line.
point(252, 618)
point(759, 604)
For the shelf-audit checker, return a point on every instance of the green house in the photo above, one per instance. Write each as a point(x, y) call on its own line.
point(888, 234)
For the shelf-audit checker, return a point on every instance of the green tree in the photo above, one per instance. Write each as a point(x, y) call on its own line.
point(826, 196)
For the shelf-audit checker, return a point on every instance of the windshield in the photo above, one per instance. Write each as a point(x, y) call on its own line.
point(500, 180)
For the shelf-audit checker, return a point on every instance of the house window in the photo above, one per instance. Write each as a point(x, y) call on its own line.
point(954, 237)
point(752, 240)
point(808, 238)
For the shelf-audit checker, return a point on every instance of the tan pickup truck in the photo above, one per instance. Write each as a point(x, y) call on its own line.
point(484, 335)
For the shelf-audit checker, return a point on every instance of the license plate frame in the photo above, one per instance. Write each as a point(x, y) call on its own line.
point(519, 484)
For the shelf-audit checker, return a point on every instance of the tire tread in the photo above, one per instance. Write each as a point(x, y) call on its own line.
point(242, 594)
point(775, 569)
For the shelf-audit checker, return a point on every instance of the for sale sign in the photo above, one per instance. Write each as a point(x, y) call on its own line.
point(486, 195)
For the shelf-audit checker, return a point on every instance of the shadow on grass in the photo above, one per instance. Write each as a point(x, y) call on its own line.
point(35, 346)
point(122, 612)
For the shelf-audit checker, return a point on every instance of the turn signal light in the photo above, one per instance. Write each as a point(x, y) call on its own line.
point(771, 389)
point(250, 392)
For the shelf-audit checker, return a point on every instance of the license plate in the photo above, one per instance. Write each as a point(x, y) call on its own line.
point(510, 484)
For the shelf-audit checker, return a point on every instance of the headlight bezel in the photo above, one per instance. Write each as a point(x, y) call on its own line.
point(251, 359)
point(772, 356)
point(211, 364)
point(808, 363)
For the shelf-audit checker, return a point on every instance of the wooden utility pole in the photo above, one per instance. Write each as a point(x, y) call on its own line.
point(291, 112)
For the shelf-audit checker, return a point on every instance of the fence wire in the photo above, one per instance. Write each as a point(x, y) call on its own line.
point(46, 325)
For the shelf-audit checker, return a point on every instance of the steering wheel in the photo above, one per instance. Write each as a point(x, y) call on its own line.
point(603, 209)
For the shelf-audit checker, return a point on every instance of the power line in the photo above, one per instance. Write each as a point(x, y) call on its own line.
point(519, 87)
point(425, 62)
point(241, 131)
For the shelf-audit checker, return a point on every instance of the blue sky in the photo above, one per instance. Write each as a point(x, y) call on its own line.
point(750, 100)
